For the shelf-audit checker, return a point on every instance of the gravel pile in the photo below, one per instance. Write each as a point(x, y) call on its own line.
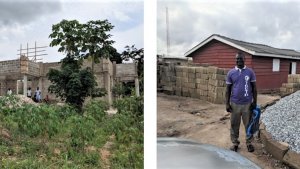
point(282, 120)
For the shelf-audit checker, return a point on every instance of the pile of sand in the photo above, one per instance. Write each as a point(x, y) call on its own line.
point(25, 99)
point(22, 99)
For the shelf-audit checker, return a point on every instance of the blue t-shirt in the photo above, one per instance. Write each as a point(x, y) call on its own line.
point(241, 79)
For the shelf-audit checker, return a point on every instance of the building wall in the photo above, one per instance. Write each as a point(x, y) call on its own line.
point(12, 84)
point(222, 55)
point(10, 67)
point(219, 54)
point(99, 69)
point(33, 68)
point(177, 61)
point(10, 72)
point(266, 78)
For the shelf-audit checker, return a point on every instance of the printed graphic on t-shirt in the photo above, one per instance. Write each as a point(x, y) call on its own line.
point(246, 85)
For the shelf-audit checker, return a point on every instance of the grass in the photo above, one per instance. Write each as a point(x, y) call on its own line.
point(22, 151)
point(77, 143)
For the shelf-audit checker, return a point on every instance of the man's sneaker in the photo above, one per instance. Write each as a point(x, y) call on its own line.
point(250, 148)
point(234, 148)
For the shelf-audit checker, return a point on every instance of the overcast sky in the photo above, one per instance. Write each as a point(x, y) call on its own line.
point(31, 21)
point(273, 23)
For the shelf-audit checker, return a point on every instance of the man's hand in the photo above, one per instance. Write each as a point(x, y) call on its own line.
point(228, 108)
point(253, 106)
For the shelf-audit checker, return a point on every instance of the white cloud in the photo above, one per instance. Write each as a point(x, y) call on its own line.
point(121, 16)
point(191, 22)
point(36, 25)
point(133, 36)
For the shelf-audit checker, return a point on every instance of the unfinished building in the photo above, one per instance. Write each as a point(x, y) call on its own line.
point(20, 74)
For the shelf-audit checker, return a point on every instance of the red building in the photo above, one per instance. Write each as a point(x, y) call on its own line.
point(271, 65)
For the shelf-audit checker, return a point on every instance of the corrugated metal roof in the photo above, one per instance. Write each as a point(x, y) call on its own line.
point(252, 48)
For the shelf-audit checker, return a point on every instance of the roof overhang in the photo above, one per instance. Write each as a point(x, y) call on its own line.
point(275, 56)
point(236, 46)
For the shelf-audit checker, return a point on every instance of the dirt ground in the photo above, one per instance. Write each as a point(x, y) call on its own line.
point(191, 118)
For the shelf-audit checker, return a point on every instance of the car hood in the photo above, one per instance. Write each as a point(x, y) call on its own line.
point(188, 154)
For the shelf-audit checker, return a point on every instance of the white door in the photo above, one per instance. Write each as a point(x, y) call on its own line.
point(294, 67)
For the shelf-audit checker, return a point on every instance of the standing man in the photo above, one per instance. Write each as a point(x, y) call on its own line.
point(38, 94)
point(29, 92)
point(241, 99)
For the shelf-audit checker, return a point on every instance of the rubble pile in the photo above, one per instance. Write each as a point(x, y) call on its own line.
point(25, 99)
point(282, 120)
point(22, 99)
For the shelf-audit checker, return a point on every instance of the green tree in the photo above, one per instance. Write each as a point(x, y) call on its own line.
point(115, 55)
point(89, 40)
point(96, 40)
point(137, 56)
point(72, 84)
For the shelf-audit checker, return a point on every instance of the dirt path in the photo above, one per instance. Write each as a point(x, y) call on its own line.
point(209, 123)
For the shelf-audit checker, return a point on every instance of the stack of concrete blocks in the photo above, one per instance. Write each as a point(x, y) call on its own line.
point(168, 78)
point(180, 79)
point(217, 84)
point(191, 84)
point(159, 86)
point(292, 86)
point(202, 83)
point(186, 81)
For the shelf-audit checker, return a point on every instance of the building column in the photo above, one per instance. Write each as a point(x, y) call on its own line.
point(137, 87)
point(40, 87)
point(107, 87)
point(24, 85)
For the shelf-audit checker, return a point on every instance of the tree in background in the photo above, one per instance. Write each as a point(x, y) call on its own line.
point(115, 55)
point(78, 41)
point(96, 43)
point(137, 56)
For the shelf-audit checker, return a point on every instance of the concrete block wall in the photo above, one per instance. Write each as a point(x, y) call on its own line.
point(292, 86)
point(126, 69)
point(98, 68)
point(47, 66)
point(10, 66)
point(204, 83)
point(2, 87)
point(217, 84)
point(12, 84)
point(168, 78)
point(45, 82)
point(158, 76)
point(33, 68)
point(176, 61)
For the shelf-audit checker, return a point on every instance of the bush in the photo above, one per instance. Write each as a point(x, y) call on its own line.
point(97, 109)
point(134, 104)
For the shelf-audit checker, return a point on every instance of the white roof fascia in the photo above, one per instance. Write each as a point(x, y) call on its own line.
point(275, 56)
point(221, 40)
point(183, 58)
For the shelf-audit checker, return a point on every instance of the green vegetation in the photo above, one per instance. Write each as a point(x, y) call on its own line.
point(50, 136)
point(89, 40)
point(72, 84)
point(76, 135)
